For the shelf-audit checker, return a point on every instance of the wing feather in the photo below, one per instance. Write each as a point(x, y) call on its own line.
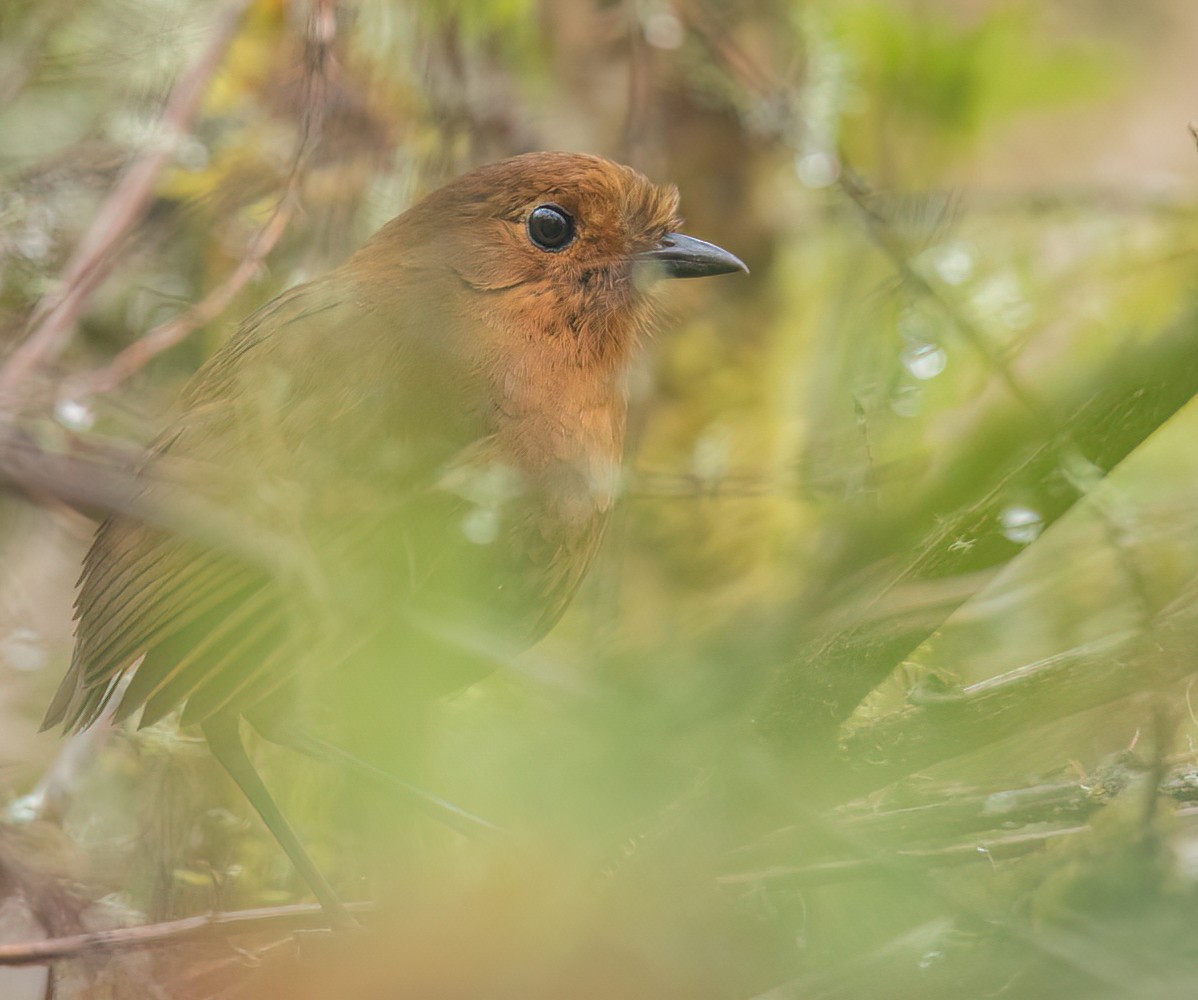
point(322, 433)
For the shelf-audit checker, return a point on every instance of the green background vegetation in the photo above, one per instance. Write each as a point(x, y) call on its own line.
point(881, 684)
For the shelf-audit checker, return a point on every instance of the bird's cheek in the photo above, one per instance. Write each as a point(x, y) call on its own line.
point(493, 265)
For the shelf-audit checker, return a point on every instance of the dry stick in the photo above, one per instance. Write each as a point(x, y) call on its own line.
point(54, 318)
point(991, 849)
point(92, 264)
point(320, 35)
point(166, 335)
point(1076, 680)
point(81, 475)
point(1003, 847)
point(749, 72)
point(300, 916)
point(950, 826)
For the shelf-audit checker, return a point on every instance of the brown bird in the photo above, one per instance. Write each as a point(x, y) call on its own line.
point(414, 456)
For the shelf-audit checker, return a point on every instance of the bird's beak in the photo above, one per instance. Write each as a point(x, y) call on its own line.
point(681, 256)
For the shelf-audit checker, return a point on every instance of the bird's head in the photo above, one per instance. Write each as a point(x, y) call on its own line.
point(560, 247)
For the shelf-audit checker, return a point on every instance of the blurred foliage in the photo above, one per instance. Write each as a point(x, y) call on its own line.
point(881, 686)
point(946, 79)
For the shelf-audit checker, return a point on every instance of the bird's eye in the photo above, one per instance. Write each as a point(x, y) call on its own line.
point(550, 227)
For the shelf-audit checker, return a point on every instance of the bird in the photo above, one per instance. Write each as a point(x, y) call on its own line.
point(408, 462)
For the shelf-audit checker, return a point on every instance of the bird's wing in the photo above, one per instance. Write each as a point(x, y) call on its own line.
point(221, 616)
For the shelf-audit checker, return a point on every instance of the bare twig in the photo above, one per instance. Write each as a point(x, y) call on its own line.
point(1094, 674)
point(1002, 847)
point(705, 20)
point(52, 321)
point(951, 826)
point(89, 476)
point(302, 916)
point(319, 65)
point(166, 335)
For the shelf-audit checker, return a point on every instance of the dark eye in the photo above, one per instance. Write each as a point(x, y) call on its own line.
point(550, 227)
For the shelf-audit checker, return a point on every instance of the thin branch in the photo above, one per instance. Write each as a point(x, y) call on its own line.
point(1070, 682)
point(55, 316)
point(319, 65)
point(95, 478)
point(755, 77)
point(1003, 847)
point(946, 816)
point(1044, 814)
point(300, 916)
point(166, 335)
point(86, 475)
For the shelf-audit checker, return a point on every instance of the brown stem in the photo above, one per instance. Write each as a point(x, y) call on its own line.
point(300, 916)
point(319, 64)
point(166, 335)
point(54, 317)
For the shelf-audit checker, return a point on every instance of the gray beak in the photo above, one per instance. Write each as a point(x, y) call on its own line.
point(682, 256)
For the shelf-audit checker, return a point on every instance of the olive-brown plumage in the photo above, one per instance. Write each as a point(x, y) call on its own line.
point(420, 446)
